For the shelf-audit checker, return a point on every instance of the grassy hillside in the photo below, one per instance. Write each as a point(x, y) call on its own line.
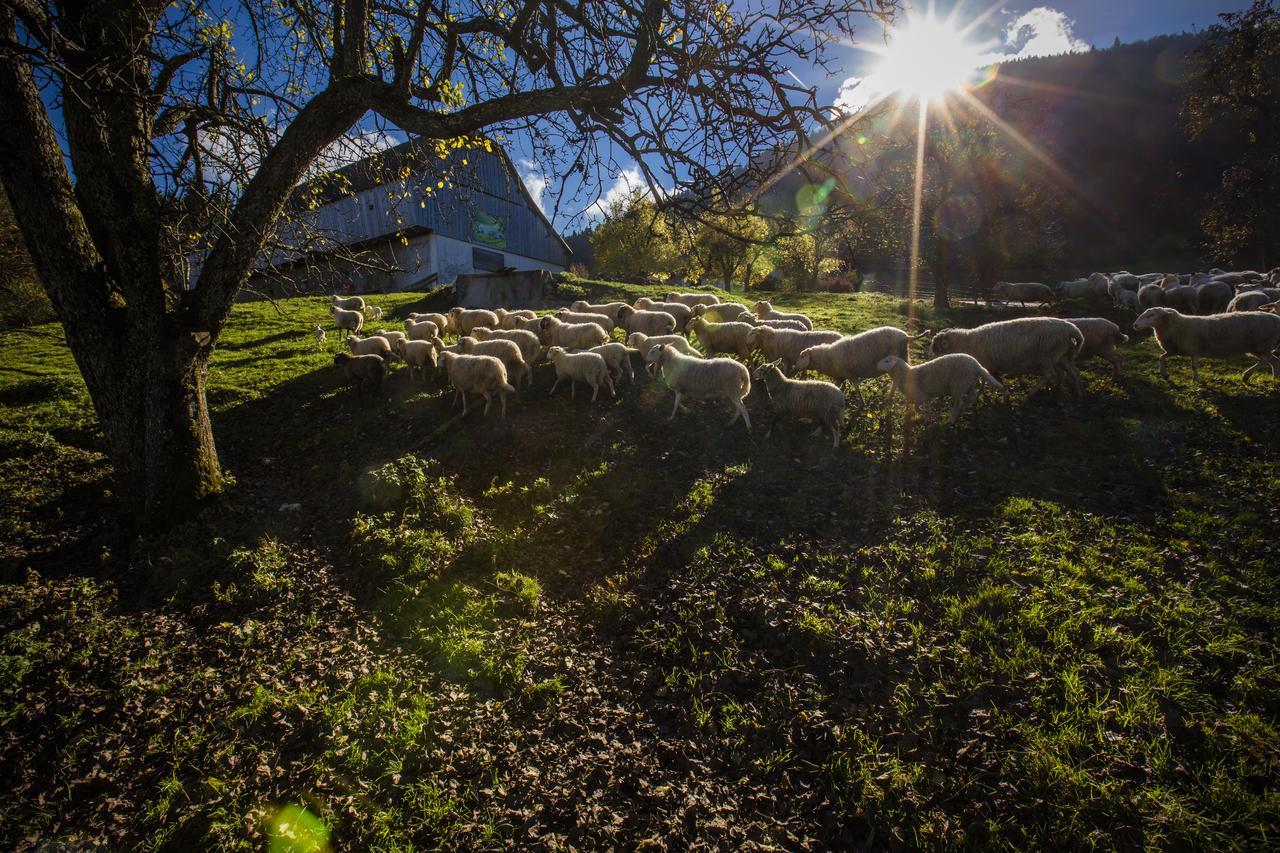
point(1051, 624)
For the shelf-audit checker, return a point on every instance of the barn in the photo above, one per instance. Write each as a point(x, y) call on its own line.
point(408, 218)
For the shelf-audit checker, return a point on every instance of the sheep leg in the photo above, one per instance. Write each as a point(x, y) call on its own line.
point(595, 390)
point(675, 407)
point(554, 384)
point(573, 389)
point(742, 410)
point(609, 381)
point(1069, 368)
point(464, 402)
point(1115, 364)
point(488, 398)
point(835, 436)
point(502, 398)
point(1195, 369)
point(1164, 368)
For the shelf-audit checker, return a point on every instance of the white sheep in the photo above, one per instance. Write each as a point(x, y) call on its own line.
point(955, 375)
point(588, 367)
point(351, 303)
point(417, 356)
point(507, 319)
point(508, 352)
point(477, 374)
point(609, 309)
point(807, 399)
point(1128, 299)
point(1043, 346)
point(855, 357)
point(1214, 297)
point(347, 321)
point(717, 338)
point(618, 359)
point(649, 322)
point(642, 343)
point(683, 313)
point(555, 332)
point(318, 334)
point(601, 320)
point(530, 347)
point(1100, 339)
point(441, 321)
point(461, 321)
point(787, 344)
point(1256, 333)
point(422, 330)
point(692, 299)
point(1182, 297)
point(392, 335)
point(1150, 296)
point(1076, 288)
point(362, 370)
point(723, 312)
point(372, 345)
point(374, 313)
point(703, 378)
point(1252, 300)
point(765, 311)
point(1022, 292)
point(1099, 285)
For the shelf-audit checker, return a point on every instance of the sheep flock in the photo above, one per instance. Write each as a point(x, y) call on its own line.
point(804, 371)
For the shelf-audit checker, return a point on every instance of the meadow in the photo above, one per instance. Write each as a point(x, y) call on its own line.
point(1051, 625)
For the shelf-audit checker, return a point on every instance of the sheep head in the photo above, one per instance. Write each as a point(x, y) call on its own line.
point(941, 343)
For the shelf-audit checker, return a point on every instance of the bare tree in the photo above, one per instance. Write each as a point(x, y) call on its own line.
point(139, 131)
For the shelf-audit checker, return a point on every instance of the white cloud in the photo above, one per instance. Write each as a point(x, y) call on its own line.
point(1040, 32)
point(535, 181)
point(628, 182)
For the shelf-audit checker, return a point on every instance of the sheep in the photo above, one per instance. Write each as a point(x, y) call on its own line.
point(507, 319)
point(648, 322)
point(1125, 281)
point(956, 375)
point(1256, 333)
point(1150, 296)
point(588, 367)
point(440, 320)
point(1023, 292)
point(608, 309)
point(807, 399)
point(683, 313)
point(318, 334)
point(1028, 345)
point(601, 320)
point(703, 378)
point(1100, 339)
point(1184, 298)
point(692, 299)
point(1128, 299)
point(765, 311)
point(1252, 300)
point(1077, 288)
point(787, 344)
point(1213, 297)
point(347, 321)
point(719, 338)
point(752, 320)
point(1099, 285)
point(374, 313)
point(643, 344)
point(362, 370)
point(530, 347)
point(554, 331)
point(477, 374)
point(422, 330)
point(462, 320)
point(392, 335)
point(372, 345)
point(417, 356)
point(618, 359)
point(854, 358)
point(508, 352)
point(351, 303)
point(723, 312)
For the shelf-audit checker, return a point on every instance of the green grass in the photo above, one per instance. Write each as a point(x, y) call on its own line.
point(1052, 624)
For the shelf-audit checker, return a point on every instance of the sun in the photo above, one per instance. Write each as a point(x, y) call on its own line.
point(927, 58)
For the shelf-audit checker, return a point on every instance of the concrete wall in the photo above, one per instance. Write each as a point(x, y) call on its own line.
point(522, 289)
point(453, 258)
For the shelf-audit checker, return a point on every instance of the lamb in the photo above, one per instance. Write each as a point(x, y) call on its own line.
point(440, 320)
point(1254, 332)
point(703, 378)
point(1100, 339)
point(719, 338)
point(955, 375)
point(588, 367)
point(508, 352)
point(642, 343)
point(1252, 300)
point(855, 358)
point(723, 312)
point(601, 320)
point(787, 344)
point(351, 303)
point(422, 330)
point(477, 374)
point(507, 319)
point(374, 313)
point(530, 347)
point(617, 357)
point(648, 322)
point(806, 399)
point(1023, 292)
point(1150, 296)
point(765, 311)
point(461, 321)
point(347, 321)
point(1213, 297)
point(609, 309)
point(554, 331)
point(318, 334)
point(362, 370)
point(417, 356)
point(372, 345)
point(692, 299)
point(1028, 345)
point(683, 313)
